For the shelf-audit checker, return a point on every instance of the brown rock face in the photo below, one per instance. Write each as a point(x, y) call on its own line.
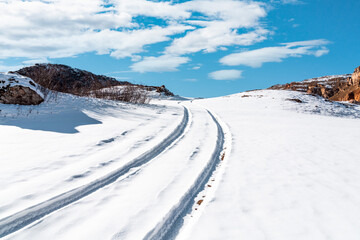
point(336, 88)
point(19, 95)
point(164, 90)
point(63, 78)
point(355, 78)
point(325, 86)
point(351, 90)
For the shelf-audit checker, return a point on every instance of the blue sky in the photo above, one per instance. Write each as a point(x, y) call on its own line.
point(199, 48)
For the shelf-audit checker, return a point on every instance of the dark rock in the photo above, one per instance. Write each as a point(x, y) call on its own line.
point(19, 95)
point(294, 100)
point(164, 90)
point(63, 78)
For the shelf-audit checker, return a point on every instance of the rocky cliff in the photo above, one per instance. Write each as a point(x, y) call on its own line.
point(336, 88)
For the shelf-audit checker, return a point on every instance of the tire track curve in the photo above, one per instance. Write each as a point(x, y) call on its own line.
point(27, 216)
point(169, 227)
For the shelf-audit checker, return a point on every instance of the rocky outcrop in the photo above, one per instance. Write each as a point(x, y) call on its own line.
point(164, 90)
point(336, 88)
point(324, 86)
point(19, 95)
point(351, 90)
point(63, 78)
point(355, 78)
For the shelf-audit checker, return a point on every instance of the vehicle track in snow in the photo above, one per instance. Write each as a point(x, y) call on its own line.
point(27, 216)
point(169, 227)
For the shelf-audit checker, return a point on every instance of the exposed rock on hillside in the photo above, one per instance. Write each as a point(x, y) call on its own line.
point(161, 89)
point(336, 88)
point(63, 78)
point(355, 78)
point(20, 91)
point(19, 95)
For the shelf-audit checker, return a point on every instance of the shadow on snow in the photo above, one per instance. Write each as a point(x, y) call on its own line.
point(63, 122)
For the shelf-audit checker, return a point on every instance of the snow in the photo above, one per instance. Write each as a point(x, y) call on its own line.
point(326, 78)
point(266, 164)
point(292, 173)
point(142, 197)
point(61, 145)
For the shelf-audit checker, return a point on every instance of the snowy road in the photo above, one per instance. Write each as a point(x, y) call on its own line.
point(29, 215)
point(168, 176)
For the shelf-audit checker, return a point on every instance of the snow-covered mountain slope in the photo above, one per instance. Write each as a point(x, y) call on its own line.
point(265, 164)
point(293, 172)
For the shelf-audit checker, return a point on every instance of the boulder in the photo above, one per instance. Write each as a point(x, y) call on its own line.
point(19, 95)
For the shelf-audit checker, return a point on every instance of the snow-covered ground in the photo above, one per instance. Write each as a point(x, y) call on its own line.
point(257, 165)
point(324, 80)
point(293, 172)
point(62, 144)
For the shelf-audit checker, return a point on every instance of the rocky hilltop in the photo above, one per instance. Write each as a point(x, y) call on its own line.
point(66, 79)
point(337, 88)
point(31, 85)
point(63, 78)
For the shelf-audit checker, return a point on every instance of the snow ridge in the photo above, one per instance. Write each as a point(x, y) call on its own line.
point(169, 227)
point(23, 218)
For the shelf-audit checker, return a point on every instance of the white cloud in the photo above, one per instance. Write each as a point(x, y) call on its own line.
point(65, 28)
point(34, 61)
point(220, 26)
point(287, 1)
point(321, 52)
point(225, 75)
point(153, 9)
point(38, 29)
point(6, 68)
point(164, 63)
point(256, 58)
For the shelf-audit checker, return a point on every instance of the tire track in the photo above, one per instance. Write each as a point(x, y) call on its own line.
point(169, 227)
point(23, 218)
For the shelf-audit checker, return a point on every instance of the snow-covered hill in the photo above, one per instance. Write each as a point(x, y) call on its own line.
point(268, 164)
